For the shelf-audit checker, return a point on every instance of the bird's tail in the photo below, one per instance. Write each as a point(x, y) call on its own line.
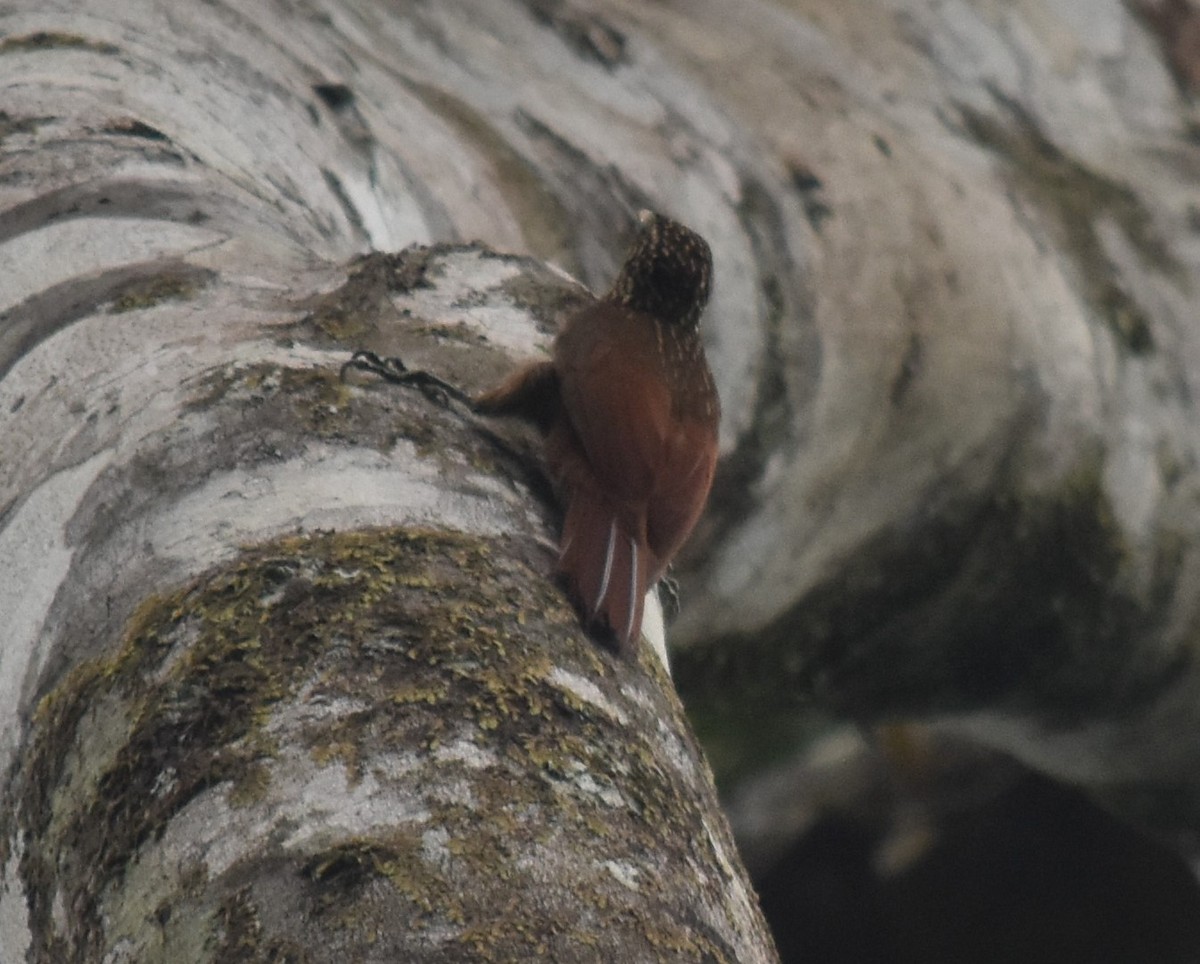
point(607, 565)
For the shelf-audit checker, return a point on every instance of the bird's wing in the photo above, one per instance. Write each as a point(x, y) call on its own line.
point(611, 551)
point(607, 454)
point(615, 395)
point(689, 461)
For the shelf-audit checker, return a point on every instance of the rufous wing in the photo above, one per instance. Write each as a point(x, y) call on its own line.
point(689, 463)
point(530, 392)
point(634, 476)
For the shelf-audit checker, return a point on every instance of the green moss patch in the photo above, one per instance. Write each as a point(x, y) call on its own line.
point(420, 645)
point(145, 292)
point(349, 315)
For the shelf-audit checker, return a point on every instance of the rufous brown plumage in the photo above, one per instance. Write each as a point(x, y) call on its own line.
point(629, 410)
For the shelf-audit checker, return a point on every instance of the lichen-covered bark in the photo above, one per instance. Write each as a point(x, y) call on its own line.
point(382, 738)
point(392, 742)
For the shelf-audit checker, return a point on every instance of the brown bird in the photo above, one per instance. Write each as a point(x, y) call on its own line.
point(629, 410)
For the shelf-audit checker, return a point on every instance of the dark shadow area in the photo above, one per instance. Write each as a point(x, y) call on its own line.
point(1039, 874)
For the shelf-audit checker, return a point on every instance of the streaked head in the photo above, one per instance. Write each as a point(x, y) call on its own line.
point(667, 273)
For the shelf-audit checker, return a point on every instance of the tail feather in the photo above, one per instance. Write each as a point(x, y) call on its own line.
point(607, 567)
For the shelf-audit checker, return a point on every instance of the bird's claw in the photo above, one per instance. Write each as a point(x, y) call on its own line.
point(668, 596)
point(392, 369)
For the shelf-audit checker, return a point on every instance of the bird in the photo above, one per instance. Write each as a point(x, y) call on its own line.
point(629, 412)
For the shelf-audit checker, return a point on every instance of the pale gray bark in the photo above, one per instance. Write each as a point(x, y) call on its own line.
point(970, 490)
point(285, 673)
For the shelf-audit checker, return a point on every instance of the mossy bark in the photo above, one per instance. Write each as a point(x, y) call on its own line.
point(392, 742)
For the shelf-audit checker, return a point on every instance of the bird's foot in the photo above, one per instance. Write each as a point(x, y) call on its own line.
point(392, 369)
point(669, 598)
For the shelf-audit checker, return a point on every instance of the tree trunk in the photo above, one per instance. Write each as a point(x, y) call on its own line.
point(286, 673)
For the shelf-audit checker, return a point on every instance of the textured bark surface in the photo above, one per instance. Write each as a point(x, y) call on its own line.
point(285, 675)
point(382, 737)
point(333, 748)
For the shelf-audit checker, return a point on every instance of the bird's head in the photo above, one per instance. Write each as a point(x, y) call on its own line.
point(667, 273)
